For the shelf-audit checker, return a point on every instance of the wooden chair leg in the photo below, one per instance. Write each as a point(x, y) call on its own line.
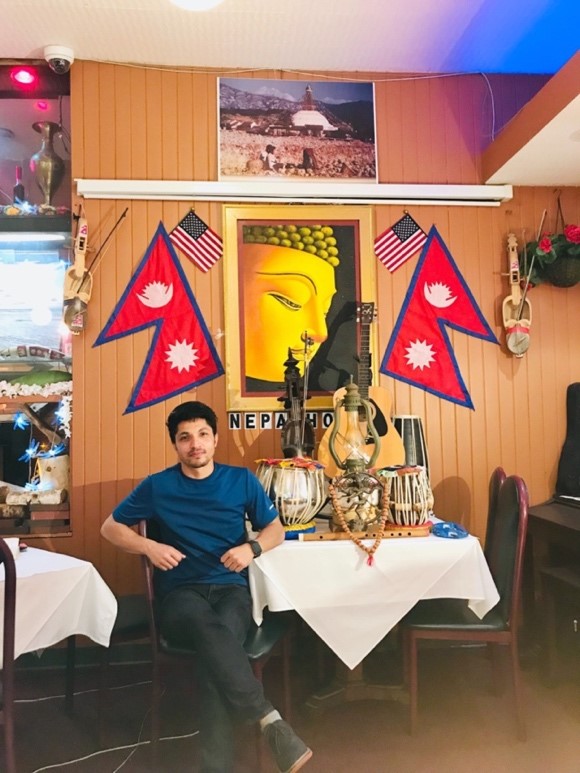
point(411, 648)
point(494, 656)
point(69, 688)
point(155, 711)
point(8, 722)
point(515, 666)
point(404, 640)
point(286, 683)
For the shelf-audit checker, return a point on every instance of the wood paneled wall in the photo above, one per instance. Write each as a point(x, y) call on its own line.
point(131, 122)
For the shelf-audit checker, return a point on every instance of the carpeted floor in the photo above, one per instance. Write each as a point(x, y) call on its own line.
point(464, 727)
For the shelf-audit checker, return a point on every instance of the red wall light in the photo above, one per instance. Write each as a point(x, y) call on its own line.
point(24, 77)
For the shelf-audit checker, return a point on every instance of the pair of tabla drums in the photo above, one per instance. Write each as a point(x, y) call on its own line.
point(298, 492)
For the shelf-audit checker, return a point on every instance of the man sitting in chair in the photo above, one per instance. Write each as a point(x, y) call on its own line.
point(201, 567)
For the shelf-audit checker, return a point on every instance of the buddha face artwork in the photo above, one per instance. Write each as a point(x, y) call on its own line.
point(291, 289)
point(287, 295)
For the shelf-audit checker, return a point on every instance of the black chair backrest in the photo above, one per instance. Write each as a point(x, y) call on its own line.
point(7, 673)
point(507, 544)
point(495, 483)
point(568, 480)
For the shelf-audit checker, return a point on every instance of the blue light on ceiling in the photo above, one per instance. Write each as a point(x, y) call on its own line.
point(537, 37)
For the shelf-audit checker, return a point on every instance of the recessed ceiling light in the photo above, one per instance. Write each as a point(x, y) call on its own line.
point(196, 5)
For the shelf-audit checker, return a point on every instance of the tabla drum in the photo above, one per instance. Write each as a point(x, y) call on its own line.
point(297, 488)
point(408, 493)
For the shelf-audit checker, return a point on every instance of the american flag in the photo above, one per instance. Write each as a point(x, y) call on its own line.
point(197, 241)
point(399, 242)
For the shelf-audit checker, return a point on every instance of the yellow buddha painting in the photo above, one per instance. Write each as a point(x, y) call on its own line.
point(290, 294)
point(294, 278)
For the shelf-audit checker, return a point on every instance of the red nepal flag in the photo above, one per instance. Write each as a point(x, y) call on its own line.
point(419, 351)
point(182, 354)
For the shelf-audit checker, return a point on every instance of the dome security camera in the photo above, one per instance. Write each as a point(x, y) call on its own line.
point(59, 58)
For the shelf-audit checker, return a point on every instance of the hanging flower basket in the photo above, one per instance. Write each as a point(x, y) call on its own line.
point(563, 272)
point(556, 258)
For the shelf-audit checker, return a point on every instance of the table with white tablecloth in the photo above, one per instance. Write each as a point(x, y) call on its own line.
point(58, 596)
point(352, 605)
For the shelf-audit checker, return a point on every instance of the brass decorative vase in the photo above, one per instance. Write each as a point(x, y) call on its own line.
point(46, 164)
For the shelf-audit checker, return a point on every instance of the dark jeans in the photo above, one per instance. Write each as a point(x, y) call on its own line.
point(214, 620)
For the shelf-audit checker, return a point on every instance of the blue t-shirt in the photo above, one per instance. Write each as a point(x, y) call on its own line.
point(200, 517)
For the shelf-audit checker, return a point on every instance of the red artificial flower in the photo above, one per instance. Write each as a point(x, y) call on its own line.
point(545, 243)
point(572, 233)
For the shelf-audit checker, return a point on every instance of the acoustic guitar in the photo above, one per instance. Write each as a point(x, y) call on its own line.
point(392, 450)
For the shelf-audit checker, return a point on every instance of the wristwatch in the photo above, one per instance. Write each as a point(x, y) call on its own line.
point(256, 547)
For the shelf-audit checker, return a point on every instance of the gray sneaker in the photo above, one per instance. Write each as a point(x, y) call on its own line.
point(290, 752)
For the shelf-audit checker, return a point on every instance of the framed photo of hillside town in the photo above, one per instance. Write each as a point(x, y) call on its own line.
point(294, 131)
point(294, 278)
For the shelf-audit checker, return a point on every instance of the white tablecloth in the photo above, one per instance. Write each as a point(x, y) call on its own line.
point(351, 605)
point(57, 596)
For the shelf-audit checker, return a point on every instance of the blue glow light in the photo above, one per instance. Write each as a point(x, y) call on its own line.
point(35, 485)
point(30, 453)
point(52, 451)
point(21, 421)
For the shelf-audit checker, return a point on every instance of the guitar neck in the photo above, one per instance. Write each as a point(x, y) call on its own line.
point(364, 366)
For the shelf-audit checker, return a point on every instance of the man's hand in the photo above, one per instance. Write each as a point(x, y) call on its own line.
point(163, 556)
point(236, 559)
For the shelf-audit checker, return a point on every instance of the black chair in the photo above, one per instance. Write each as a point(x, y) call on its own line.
point(260, 645)
point(451, 619)
point(7, 673)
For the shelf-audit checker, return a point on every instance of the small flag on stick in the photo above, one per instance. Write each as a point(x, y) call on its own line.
point(197, 240)
point(399, 243)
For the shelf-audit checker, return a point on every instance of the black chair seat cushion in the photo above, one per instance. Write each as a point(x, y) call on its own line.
point(262, 638)
point(452, 614)
point(259, 642)
point(132, 616)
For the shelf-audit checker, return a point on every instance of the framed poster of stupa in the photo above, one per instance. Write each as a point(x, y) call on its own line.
point(293, 131)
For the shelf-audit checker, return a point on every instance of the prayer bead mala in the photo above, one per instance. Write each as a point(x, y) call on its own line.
point(345, 527)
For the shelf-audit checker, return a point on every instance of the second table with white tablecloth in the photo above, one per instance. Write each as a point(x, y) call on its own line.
point(352, 605)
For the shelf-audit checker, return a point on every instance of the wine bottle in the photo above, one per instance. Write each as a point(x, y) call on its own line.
point(18, 193)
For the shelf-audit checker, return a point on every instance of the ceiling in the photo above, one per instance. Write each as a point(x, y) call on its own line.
point(305, 36)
